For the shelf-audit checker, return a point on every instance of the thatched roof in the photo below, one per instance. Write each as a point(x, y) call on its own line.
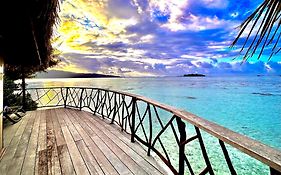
point(26, 28)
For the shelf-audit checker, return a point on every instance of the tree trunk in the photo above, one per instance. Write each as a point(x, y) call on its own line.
point(1, 103)
point(23, 88)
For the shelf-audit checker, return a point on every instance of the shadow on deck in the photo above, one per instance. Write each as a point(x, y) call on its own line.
point(68, 141)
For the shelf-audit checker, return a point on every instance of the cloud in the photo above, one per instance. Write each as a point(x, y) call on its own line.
point(153, 37)
point(219, 4)
point(204, 65)
point(193, 22)
point(224, 65)
point(274, 67)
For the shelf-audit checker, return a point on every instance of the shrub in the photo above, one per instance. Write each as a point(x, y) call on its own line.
point(13, 97)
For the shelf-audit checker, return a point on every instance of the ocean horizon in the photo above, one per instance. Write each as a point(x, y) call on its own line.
point(249, 105)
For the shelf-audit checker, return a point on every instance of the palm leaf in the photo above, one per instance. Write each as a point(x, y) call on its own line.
point(262, 30)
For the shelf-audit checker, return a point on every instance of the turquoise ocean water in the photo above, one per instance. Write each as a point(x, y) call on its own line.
point(249, 105)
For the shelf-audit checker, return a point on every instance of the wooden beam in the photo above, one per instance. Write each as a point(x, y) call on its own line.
point(1, 102)
point(35, 42)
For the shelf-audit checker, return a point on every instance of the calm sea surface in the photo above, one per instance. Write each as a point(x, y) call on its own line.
point(249, 105)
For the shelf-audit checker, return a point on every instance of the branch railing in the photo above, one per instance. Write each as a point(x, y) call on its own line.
point(163, 130)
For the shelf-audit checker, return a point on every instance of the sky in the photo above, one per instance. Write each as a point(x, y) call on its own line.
point(133, 38)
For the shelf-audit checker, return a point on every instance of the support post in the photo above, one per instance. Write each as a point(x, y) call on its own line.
point(80, 101)
point(97, 103)
point(204, 152)
point(66, 95)
point(1, 102)
point(181, 128)
point(274, 171)
point(227, 158)
point(133, 115)
point(115, 109)
point(150, 130)
point(23, 88)
point(103, 103)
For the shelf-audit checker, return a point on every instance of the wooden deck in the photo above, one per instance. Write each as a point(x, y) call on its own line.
point(67, 141)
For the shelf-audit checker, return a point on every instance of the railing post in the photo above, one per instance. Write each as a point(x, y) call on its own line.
point(97, 103)
point(122, 112)
point(204, 152)
point(80, 101)
point(115, 109)
point(227, 158)
point(23, 88)
point(181, 128)
point(133, 116)
point(274, 172)
point(66, 95)
point(103, 103)
point(150, 130)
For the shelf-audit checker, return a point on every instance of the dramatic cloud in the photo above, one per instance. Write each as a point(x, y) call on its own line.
point(154, 37)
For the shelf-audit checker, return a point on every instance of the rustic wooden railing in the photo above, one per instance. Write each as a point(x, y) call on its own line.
point(151, 123)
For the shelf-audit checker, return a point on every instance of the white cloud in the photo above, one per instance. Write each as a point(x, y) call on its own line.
point(191, 56)
point(198, 23)
point(218, 4)
point(175, 9)
point(147, 38)
point(137, 5)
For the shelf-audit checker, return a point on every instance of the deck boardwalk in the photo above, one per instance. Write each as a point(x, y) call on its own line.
point(68, 141)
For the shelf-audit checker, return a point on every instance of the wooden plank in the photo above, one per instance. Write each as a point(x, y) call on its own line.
point(127, 160)
point(65, 160)
point(58, 133)
point(52, 154)
point(71, 128)
point(63, 152)
point(41, 164)
point(70, 116)
point(90, 161)
point(115, 161)
point(74, 133)
point(125, 138)
point(65, 118)
point(103, 162)
point(59, 117)
point(150, 169)
point(78, 162)
point(71, 123)
point(42, 144)
point(18, 158)
point(30, 158)
point(97, 149)
point(12, 144)
point(10, 130)
point(8, 157)
point(11, 149)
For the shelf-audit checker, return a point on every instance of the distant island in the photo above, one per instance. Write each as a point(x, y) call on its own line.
point(194, 75)
point(65, 74)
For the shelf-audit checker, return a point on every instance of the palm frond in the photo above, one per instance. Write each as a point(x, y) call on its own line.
point(262, 30)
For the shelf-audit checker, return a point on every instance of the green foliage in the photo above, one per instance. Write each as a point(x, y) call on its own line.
point(15, 72)
point(12, 98)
